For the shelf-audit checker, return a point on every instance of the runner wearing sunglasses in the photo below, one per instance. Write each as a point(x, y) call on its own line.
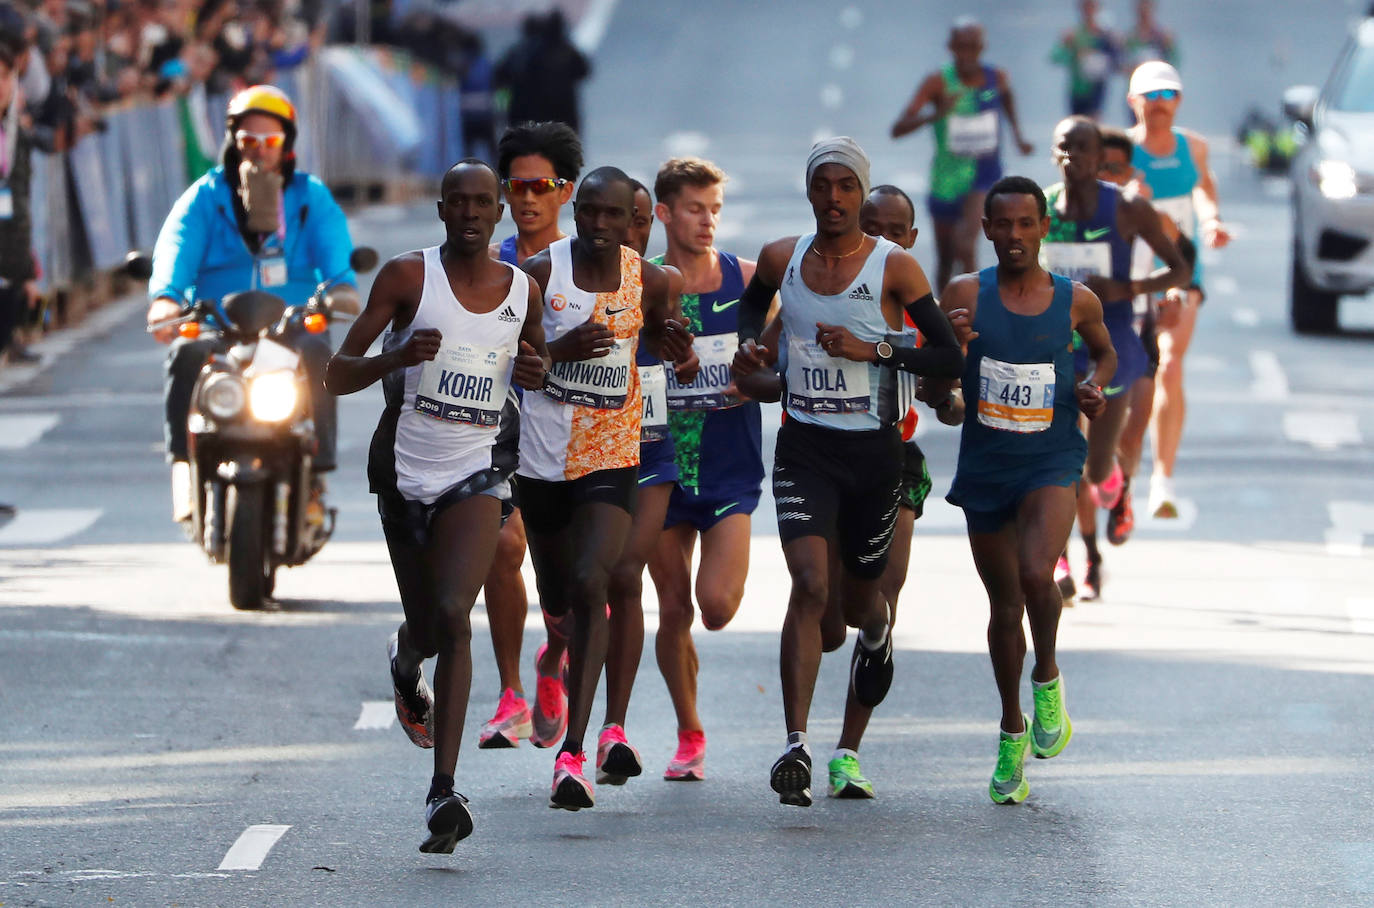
point(1175, 164)
point(537, 164)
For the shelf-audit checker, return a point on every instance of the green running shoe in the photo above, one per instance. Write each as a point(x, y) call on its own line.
point(1051, 730)
point(847, 779)
point(1009, 785)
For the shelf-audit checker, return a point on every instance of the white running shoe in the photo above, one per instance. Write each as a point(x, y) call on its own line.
point(1163, 503)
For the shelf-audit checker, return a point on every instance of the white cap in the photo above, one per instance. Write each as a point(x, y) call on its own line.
point(1153, 76)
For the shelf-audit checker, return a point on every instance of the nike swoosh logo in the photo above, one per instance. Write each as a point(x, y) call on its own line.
point(644, 479)
point(720, 511)
point(987, 95)
point(1113, 390)
point(1097, 234)
point(719, 307)
point(618, 311)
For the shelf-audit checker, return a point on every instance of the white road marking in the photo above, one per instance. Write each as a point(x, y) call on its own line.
point(106, 639)
point(251, 848)
point(1270, 381)
point(1361, 612)
point(376, 714)
point(589, 32)
point(851, 17)
point(22, 430)
point(1276, 187)
point(1325, 431)
point(842, 56)
point(1245, 316)
point(1351, 521)
point(687, 143)
point(46, 526)
point(832, 96)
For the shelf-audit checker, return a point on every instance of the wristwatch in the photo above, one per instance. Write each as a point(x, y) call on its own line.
point(884, 352)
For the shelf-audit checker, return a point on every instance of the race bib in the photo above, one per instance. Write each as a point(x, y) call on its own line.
point(272, 272)
point(1095, 65)
point(464, 384)
point(1015, 397)
point(1180, 208)
point(707, 392)
point(653, 392)
point(1076, 261)
point(820, 383)
point(602, 383)
point(972, 135)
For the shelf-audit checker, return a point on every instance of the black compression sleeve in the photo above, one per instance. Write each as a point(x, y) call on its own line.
point(941, 356)
point(753, 308)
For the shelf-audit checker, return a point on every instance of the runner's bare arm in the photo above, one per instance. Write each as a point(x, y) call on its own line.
point(1144, 222)
point(1087, 321)
point(667, 337)
point(685, 369)
point(392, 301)
point(930, 91)
point(532, 362)
point(1009, 105)
point(1214, 232)
point(757, 300)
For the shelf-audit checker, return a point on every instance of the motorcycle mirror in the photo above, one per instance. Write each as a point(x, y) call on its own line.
point(363, 259)
point(138, 266)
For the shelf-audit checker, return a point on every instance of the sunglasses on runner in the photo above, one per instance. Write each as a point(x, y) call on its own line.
point(1161, 94)
point(538, 186)
point(249, 141)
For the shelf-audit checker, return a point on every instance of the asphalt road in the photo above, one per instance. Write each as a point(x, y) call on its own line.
point(1220, 691)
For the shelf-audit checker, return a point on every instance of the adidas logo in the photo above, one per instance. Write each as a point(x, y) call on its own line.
point(507, 315)
point(861, 292)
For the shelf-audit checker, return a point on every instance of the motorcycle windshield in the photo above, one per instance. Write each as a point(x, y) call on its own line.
point(252, 310)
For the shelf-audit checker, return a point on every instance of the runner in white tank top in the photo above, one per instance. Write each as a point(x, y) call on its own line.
point(463, 328)
point(579, 438)
point(842, 295)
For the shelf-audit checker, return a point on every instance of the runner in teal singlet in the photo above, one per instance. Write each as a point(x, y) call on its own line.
point(965, 101)
point(1176, 168)
point(719, 449)
point(1020, 456)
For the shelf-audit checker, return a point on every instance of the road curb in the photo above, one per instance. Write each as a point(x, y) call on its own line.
point(56, 344)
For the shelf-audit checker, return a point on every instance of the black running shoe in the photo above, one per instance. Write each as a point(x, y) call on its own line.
point(1092, 582)
point(791, 777)
point(870, 671)
point(449, 820)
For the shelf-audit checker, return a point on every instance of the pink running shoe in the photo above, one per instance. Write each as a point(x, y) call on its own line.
point(1108, 493)
point(550, 713)
point(616, 760)
point(511, 722)
point(1063, 577)
point(571, 790)
point(689, 763)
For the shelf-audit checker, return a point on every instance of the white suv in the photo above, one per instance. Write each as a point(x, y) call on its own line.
point(1333, 186)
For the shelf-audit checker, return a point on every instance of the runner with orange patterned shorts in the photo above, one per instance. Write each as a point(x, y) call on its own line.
point(579, 438)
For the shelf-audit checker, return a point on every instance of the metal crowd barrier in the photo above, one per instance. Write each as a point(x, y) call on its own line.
point(367, 116)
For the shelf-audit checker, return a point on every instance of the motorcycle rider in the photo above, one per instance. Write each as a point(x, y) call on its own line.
point(254, 222)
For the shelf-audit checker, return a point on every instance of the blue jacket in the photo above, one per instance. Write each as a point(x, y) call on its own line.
point(200, 253)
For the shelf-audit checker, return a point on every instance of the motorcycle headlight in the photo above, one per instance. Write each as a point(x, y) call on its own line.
point(272, 396)
point(1335, 179)
point(222, 396)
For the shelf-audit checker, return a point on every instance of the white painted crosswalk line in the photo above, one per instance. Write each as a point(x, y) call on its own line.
point(1351, 522)
point(376, 714)
point(1324, 430)
point(23, 429)
point(252, 846)
point(1361, 612)
point(1270, 381)
point(46, 526)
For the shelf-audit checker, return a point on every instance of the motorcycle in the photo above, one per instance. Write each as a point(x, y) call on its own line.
point(251, 435)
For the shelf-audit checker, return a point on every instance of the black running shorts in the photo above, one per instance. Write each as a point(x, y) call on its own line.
point(842, 486)
point(548, 506)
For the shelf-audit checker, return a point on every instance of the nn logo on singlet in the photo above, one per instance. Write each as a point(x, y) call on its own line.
point(861, 292)
point(507, 315)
